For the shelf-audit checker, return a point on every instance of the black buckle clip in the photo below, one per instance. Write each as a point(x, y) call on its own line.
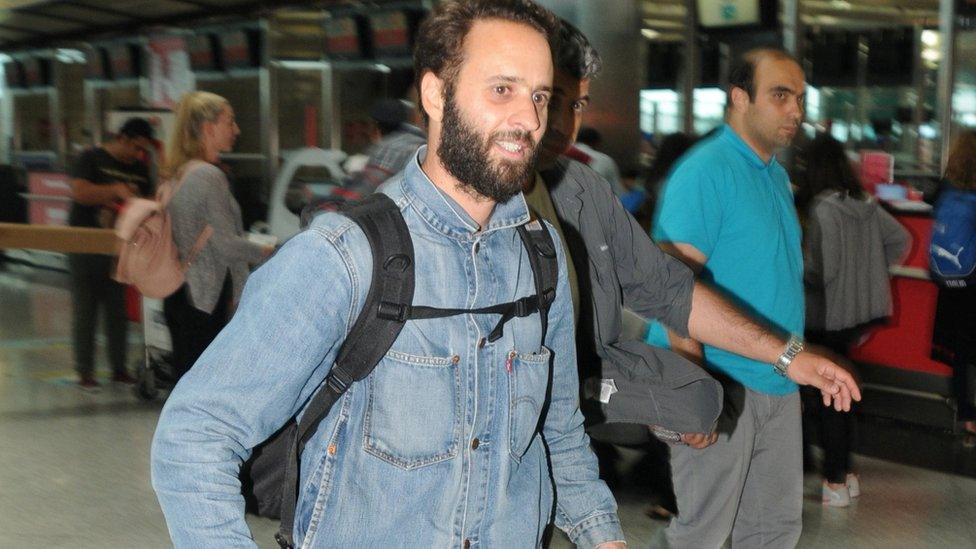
point(392, 311)
point(338, 385)
point(526, 306)
point(282, 542)
point(548, 297)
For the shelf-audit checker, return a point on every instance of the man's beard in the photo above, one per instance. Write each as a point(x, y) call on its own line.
point(466, 156)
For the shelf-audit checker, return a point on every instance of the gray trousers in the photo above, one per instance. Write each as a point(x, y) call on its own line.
point(92, 289)
point(748, 484)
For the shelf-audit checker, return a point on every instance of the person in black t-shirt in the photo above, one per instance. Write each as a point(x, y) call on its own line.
point(103, 177)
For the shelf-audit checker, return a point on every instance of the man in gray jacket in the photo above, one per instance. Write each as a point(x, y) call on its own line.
point(617, 265)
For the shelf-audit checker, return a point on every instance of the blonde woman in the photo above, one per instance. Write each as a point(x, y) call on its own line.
point(195, 314)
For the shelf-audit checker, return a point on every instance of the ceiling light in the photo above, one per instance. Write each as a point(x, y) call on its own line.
point(650, 34)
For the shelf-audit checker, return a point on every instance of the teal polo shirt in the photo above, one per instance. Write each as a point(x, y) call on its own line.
point(738, 210)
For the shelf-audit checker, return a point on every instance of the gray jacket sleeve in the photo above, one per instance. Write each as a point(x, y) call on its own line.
point(895, 238)
point(813, 253)
point(655, 285)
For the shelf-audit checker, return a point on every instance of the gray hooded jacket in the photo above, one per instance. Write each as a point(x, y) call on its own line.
point(848, 247)
point(618, 266)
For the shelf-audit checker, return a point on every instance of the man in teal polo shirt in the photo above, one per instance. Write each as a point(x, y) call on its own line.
point(727, 211)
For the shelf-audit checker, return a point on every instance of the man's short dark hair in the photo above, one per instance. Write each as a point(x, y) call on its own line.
point(137, 127)
point(742, 75)
point(573, 54)
point(389, 115)
point(440, 40)
point(589, 136)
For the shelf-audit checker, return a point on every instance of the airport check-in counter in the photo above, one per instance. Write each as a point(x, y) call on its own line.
point(901, 379)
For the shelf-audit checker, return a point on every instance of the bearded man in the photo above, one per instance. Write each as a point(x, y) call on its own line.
point(452, 440)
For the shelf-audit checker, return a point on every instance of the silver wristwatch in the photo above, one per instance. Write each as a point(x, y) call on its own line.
point(793, 348)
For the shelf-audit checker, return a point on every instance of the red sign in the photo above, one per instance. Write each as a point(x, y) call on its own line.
point(391, 30)
point(342, 37)
point(202, 57)
point(235, 49)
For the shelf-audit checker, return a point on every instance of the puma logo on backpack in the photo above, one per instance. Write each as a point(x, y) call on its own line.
point(952, 250)
point(149, 259)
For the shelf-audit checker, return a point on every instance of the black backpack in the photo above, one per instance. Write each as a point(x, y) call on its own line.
point(269, 479)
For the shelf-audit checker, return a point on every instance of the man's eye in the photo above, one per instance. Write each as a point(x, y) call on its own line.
point(579, 106)
point(540, 98)
point(500, 90)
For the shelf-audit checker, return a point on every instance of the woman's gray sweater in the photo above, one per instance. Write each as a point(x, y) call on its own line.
point(203, 198)
point(848, 247)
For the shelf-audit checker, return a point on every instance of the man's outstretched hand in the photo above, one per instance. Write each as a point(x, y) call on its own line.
point(826, 371)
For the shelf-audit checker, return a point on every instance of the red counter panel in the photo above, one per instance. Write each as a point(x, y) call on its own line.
point(905, 341)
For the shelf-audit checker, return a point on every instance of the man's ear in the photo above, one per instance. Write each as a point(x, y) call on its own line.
point(739, 98)
point(432, 95)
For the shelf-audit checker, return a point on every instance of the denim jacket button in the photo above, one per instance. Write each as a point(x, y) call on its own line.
point(482, 342)
point(455, 359)
point(475, 443)
point(467, 544)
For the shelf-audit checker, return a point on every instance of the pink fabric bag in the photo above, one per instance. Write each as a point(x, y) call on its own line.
point(149, 259)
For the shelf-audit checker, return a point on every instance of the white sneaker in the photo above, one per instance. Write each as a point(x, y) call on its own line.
point(840, 497)
point(853, 485)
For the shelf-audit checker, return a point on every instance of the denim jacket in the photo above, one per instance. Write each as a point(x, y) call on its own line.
point(447, 443)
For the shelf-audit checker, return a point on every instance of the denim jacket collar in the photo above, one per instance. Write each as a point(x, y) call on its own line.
point(445, 215)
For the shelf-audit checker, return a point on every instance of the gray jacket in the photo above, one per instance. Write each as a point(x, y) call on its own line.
point(626, 269)
point(204, 197)
point(848, 247)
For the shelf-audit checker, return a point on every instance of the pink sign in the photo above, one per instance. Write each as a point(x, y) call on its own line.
point(876, 167)
point(48, 184)
point(50, 200)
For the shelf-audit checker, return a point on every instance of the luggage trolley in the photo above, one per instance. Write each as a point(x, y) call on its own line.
point(154, 373)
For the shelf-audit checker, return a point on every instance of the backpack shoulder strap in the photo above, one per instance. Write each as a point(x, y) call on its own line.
point(392, 285)
point(371, 335)
point(545, 269)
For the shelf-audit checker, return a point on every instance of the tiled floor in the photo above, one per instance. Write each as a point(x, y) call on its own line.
point(74, 467)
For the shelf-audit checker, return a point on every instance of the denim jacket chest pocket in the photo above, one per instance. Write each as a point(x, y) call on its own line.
point(413, 409)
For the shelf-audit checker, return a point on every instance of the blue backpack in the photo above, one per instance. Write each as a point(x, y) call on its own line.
point(952, 251)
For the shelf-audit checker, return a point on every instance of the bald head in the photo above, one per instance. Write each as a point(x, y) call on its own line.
point(743, 73)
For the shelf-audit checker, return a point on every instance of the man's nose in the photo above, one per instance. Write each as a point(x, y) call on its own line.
point(528, 115)
point(796, 112)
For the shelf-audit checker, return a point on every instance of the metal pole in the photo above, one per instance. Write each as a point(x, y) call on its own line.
point(947, 73)
point(792, 28)
point(692, 68)
point(918, 84)
point(862, 97)
point(268, 109)
point(58, 143)
point(6, 124)
point(329, 125)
